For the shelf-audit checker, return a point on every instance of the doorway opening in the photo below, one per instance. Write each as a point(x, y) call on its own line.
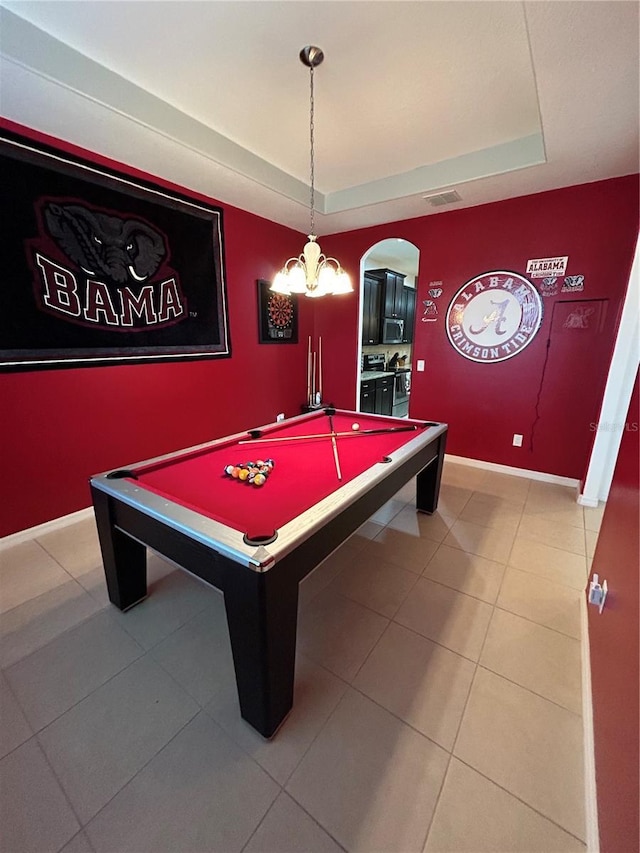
point(388, 288)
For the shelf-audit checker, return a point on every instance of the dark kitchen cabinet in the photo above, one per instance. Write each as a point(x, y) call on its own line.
point(371, 303)
point(394, 299)
point(384, 396)
point(368, 397)
point(410, 317)
point(376, 396)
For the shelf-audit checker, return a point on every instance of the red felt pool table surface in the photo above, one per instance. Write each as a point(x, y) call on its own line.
point(304, 472)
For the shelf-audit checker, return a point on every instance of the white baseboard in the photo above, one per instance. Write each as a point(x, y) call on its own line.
point(590, 797)
point(583, 500)
point(515, 472)
point(47, 527)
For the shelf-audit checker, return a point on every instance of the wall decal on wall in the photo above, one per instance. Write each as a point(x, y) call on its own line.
point(430, 313)
point(494, 316)
point(101, 269)
point(277, 316)
point(549, 286)
point(573, 284)
point(579, 318)
point(543, 267)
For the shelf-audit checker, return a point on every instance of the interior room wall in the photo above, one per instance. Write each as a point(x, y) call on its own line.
point(551, 392)
point(58, 427)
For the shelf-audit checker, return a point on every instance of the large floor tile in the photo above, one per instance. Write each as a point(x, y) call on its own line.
point(370, 580)
point(571, 514)
point(287, 828)
point(171, 602)
point(505, 486)
point(549, 498)
point(535, 657)
point(54, 678)
point(489, 542)
point(97, 746)
point(453, 496)
point(421, 525)
point(38, 621)
point(322, 576)
point(75, 547)
point(476, 816)
point(338, 633)
point(492, 511)
point(369, 779)
point(553, 533)
point(26, 571)
point(387, 511)
point(420, 682)
point(405, 550)
point(78, 844)
point(35, 816)
point(465, 572)
point(14, 728)
point(447, 617)
point(462, 476)
point(200, 793)
point(593, 517)
point(316, 694)
point(527, 745)
point(543, 560)
point(551, 604)
point(198, 655)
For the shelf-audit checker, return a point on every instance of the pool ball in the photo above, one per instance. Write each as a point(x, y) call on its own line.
point(355, 427)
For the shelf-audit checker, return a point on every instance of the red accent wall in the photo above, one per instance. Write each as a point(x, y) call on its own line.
point(613, 638)
point(58, 427)
point(549, 394)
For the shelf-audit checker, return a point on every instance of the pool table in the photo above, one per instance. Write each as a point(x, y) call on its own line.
point(256, 544)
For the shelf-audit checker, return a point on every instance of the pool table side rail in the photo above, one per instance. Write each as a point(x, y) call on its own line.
point(229, 542)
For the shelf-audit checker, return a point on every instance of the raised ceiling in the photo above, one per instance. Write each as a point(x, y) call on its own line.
point(494, 99)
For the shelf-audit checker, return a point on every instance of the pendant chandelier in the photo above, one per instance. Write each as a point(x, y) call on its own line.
point(312, 273)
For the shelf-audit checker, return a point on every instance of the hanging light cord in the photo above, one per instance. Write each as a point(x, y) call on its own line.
point(311, 129)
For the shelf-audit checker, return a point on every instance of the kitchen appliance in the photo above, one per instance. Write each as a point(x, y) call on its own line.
point(374, 361)
point(392, 330)
point(401, 393)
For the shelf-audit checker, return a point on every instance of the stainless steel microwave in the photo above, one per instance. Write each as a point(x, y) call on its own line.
point(392, 330)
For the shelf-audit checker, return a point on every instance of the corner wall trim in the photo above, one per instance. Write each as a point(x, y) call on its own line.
point(590, 793)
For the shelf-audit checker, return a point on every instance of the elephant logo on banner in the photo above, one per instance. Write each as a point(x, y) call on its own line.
point(124, 284)
point(105, 246)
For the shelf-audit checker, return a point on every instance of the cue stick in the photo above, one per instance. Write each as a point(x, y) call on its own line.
point(350, 434)
point(320, 367)
point(313, 381)
point(335, 448)
point(309, 372)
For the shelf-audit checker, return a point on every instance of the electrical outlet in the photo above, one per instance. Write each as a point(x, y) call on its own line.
point(420, 365)
point(517, 440)
point(280, 417)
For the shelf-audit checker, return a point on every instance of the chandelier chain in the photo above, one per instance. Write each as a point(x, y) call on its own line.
point(311, 130)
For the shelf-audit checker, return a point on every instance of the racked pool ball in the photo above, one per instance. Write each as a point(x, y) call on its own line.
point(259, 480)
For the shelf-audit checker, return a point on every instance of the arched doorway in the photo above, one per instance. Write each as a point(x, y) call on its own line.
point(388, 275)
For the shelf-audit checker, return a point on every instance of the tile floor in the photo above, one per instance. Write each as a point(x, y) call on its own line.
point(437, 708)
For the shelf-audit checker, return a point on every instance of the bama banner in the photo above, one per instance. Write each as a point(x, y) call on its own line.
point(101, 269)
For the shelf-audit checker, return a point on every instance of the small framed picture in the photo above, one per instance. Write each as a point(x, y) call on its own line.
point(277, 316)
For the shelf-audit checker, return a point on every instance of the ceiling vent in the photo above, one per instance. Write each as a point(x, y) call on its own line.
point(438, 199)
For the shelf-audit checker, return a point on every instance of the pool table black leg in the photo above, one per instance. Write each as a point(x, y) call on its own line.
point(262, 612)
point(428, 481)
point(124, 558)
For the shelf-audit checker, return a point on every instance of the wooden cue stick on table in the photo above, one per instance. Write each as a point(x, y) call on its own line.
point(349, 434)
point(335, 448)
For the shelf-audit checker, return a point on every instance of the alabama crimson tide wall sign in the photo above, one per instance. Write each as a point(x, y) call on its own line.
point(494, 316)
